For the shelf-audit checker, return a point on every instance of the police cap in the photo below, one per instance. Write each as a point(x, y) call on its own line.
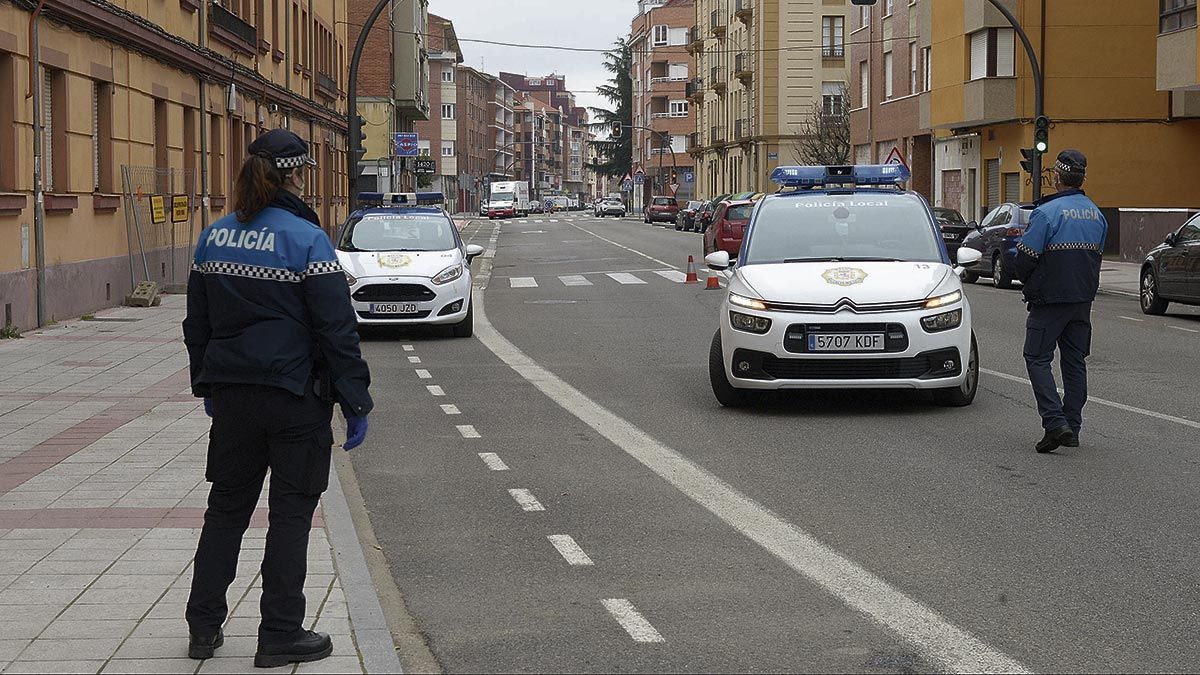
point(1071, 162)
point(286, 149)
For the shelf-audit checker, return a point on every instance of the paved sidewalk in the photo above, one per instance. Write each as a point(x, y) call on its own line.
point(102, 493)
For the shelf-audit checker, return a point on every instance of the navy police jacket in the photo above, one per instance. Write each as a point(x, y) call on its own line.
point(268, 304)
point(1058, 258)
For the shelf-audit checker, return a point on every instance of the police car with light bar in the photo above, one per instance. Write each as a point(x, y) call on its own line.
point(406, 263)
point(843, 282)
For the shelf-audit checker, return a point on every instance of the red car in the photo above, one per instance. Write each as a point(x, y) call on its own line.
point(662, 210)
point(727, 227)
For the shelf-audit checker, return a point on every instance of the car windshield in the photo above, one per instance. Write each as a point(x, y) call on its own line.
point(842, 227)
point(694, 205)
point(398, 232)
point(949, 216)
point(664, 201)
point(739, 212)
point(611, 202)
point(502, 196)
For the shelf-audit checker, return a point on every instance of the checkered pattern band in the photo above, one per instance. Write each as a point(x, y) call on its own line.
point(1073, 246)
point(1027, 251)
point(327, 267)
point(248, 271)
point(1063, 168)
point(294, 162)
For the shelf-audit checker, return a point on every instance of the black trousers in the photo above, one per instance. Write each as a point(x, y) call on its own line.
point(1069, 327)
point(256, 428)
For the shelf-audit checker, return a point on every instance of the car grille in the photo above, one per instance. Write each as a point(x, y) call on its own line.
point(895, 338)
point(416, 315)
point(922, 366)
point(394, 293)
point(847, 304)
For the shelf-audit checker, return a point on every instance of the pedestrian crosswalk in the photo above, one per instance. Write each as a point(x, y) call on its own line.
point(635, 278)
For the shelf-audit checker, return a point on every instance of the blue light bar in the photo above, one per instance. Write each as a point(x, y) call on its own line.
point(401, 198)
point(820, 176)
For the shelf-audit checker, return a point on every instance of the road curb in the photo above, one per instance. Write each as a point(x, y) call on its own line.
point(1118, 294)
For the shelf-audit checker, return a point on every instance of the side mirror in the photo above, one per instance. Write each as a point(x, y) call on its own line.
point(974, 225)
point(473, 251)
point(717, 261)
point(968, 257)
point(1171, 239)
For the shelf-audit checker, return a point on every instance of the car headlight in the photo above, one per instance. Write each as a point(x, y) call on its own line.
point(941, 322)
point(350, 280)
point(748, 303)
point(449, 274)
point(749, 324)
point(943, 300)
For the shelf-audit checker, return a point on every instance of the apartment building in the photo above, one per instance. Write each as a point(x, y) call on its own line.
point(439, 135)
point(565, 135)
point(393, 86)
point(168, 95)
point(889, 84)
point(1116, 88)
point(762, 70)
point(662, 117)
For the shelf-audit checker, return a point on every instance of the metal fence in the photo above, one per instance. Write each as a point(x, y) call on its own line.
point(160, 208)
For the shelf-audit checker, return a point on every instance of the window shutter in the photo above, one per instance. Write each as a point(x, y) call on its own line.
point(96, 135)
point(993, 183)
point(979, 53)
point(887, 76)
point(864, 83)
point(1005, 56)
point(1012, 187)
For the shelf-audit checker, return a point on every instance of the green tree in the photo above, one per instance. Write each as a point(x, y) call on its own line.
point(615, 155)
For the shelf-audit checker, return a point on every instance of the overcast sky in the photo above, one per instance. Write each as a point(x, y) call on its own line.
point(577, 23)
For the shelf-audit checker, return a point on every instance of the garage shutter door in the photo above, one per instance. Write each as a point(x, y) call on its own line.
point(993, 183)
point(1012, 187)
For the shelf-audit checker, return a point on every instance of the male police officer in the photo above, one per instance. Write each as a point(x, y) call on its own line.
point(1058, 261)
point(272, 338)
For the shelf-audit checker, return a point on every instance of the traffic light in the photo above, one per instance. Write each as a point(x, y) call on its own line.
point(1029, 154)
point(616, 129)
point(1041, 134)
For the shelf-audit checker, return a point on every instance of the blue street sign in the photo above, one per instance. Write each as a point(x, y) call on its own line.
point(407, 145)
point(627, 185)
point(639, 179)
point(689, 177)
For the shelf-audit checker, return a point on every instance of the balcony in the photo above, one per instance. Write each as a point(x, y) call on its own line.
point(230, 29)
point(656, 152)
point(716, 79)
point(833, 51)
point(716, 135)
point(1178, 65)
point(663, 115)
point(326, 86)
point(741, 130)
point(743, 67)
point(744, 10)
point(695, 43)
point(716, 23)
point(695, 90)
point(695, 147)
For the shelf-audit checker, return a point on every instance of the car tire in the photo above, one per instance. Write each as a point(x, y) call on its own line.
point(727, 395)
point(963, 395)
point(1000, 278)
point(970, 277)
point(1149, 299)
point(466, 327)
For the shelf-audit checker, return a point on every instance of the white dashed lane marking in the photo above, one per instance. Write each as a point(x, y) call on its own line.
point(468, 431)
point(436, 390)
point(522, 282)
point(1130, 318)
point(423, 374)
point(526, 499)
point(451, 410)
point(672, 275)
point(574, 280)
point(1186, 330)
point(569, 550)
point(408, 348)
point(624, 278)
point(632, 620)
point(414, 359)
point(493, 461)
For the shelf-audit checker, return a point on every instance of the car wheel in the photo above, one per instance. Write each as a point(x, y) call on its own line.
point(1000, 278)
point(466, 327)
point(1152, 302)
point(727, 394)
point(970, 277)
point(964, 394)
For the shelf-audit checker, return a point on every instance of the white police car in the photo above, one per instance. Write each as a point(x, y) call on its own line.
point(843, 282)
point(406, 264)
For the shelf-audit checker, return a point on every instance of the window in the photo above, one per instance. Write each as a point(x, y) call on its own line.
point(275, 25)
point(161, 128)
point(216, 180)
point(833, 39)
point(8, 134)
point(1176, 15)
point(189, 143)
point(102, 143)
point(55, 175)
point(887, 76)
point(992, 53)
point(912, 68)
point(833, 98)
point(678, 108)
point(447, 111)
point(887, 8)
point(926, 69)
point(864, 85)
point(447, 148)
point(448, 75)
point(864, 16)
point(660, 36)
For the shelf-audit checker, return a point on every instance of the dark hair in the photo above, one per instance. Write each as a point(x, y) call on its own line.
point(256, 185)
point(1071, 179)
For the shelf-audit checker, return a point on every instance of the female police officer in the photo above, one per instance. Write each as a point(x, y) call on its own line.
point(272, 340)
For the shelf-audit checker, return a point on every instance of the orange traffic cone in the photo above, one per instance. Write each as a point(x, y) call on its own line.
point(713, 281)
point(691, 272)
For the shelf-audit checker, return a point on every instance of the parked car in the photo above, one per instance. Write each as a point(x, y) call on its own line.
point(535, 206)
point(661, 209)
point(686, 219)
point(953, 227)
point(611, 207)
point(705, 214)
point(1171, 272)
point(996, 238)
point(728, 226)
point(483, 207)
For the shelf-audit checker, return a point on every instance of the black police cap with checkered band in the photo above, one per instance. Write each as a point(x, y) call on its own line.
point(284, 148)
point(1071, 162)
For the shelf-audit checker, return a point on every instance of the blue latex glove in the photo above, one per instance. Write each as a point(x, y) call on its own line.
point(356, 432)
point(208, 406)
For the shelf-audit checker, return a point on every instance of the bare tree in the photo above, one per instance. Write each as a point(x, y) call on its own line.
point(825, 132)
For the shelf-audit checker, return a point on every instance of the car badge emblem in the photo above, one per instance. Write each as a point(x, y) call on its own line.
point(394, 260)
point(844, 276)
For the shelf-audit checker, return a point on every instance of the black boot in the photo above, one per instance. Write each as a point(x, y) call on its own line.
point(307, 646)
point(203, 647)
point(1054, 439)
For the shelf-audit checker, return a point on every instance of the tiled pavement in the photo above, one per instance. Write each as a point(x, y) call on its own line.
point(102, 493)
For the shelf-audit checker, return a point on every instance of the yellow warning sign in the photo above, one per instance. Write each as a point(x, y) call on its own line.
point(158, 209)
point(180, 209)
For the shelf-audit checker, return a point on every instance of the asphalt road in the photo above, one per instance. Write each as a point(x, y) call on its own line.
point(822, 532)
